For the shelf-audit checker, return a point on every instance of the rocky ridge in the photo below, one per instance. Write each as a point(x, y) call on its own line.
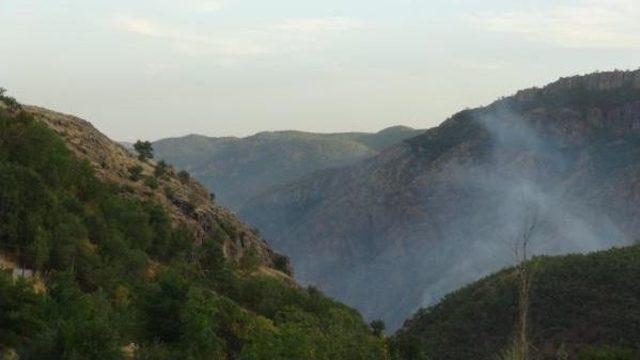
point(186, 202)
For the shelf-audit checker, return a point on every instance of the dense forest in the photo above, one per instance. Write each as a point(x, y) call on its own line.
point(115, 277)
point(581, 307)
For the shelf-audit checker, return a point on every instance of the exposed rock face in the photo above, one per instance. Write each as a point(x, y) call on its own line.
point(238, 169)
point(400, 230)
point(186, 202)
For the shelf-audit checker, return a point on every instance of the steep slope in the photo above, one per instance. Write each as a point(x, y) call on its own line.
point(400, 230)
point(580, 305)
point(238, 169)
point(186, 201)
point(96, 265)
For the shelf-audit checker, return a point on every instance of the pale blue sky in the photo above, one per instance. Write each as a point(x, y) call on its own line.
point(151, 69)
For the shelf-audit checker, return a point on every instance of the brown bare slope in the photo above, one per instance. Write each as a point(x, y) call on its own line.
point(186, 202)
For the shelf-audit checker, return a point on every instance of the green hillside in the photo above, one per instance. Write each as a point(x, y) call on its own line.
point(116, 278)
point(582, 307)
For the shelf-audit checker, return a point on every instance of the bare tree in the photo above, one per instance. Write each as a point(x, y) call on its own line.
point(525, 273)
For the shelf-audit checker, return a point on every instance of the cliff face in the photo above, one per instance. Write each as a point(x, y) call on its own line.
point(187, 202)
point(400, 230)
point(238, 169)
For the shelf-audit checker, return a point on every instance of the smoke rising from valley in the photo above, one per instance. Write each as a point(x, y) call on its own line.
point(401, 230)
point(524, 174)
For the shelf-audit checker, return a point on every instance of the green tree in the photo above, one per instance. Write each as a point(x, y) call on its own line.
point(378, 327)
point(202, 323)
point(163, 306)
point(144, 150)
point(184, 176)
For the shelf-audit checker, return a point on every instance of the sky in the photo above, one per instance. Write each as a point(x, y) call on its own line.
point(148, 69)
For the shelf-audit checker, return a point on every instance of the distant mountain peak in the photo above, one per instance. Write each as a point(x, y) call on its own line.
point(598, 81)
point(239, 169)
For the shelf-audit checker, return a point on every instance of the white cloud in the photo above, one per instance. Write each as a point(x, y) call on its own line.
point(591, 24)
point(484, 65)
point(138, 26)
point(321, 24)
point(203, 5)
point(292, 36)
point(191, 42)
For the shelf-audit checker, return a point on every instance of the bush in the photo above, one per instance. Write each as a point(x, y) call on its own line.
point(151, 182)
point(378, 327)
point(135, 173)
point(10, 102)
point(184, 176)
point(281, 263)
point(161, 169)
point(250, 260)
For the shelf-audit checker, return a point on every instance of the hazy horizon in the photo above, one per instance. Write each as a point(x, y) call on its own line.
point(167, 68)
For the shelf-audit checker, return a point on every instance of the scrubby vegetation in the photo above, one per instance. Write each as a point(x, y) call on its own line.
point(8, 101)
point(582, 306)
point(115, 278)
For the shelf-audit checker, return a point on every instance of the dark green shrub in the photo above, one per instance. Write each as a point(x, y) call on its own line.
point(378, 327)
point(151, 182)
point(135, 173)
point(184, 176)
point(161, 169)
point(250, 260)
point(281, 263)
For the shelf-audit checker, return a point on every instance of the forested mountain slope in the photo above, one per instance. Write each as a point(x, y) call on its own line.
point(104, 256)
point(400, 230)
point(582, 307)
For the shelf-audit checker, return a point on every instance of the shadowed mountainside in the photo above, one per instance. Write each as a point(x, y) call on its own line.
point(398, 231)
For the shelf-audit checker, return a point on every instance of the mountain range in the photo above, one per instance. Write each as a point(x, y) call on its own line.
point(397, 231)
point(239, 169)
